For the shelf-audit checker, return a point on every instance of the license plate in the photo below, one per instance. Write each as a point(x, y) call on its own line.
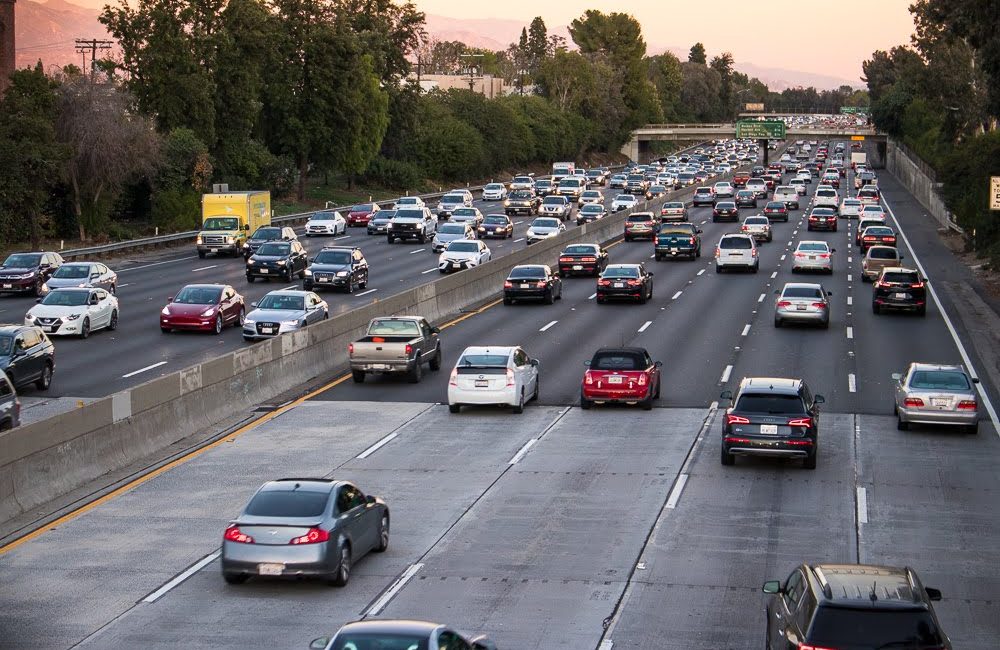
point(769, 429)
point(482, 383)
point(524, 286)
point(7, 286)
point(380, 366)
point(263, 271)
point(899, 296)
point(270, 569)
point(213, 250)
point(940, 401)
point(673, 251)
point(619, 285)
point(51, 328)
point(324, 279)
point(614, 380)
point(267, 330)
point(577, 267)
point(800, 307)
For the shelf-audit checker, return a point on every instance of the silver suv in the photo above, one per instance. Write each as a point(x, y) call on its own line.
point(736, 251)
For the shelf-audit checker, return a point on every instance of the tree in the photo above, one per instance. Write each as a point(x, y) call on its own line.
point(723, 64)
point(184, 173)
point(537, 43)
point(386, 30)
point(616, 37)
point(30, 155)
point(108, 146)
point(566, 79)
point(665, 73)
point(700, 93)
point(697, 54)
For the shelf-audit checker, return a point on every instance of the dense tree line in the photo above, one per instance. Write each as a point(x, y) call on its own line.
point(940, 95)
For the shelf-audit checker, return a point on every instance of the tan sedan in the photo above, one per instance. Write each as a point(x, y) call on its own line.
point(878, 258)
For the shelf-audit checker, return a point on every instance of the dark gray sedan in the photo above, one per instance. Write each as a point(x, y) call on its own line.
point(405, 635)
point(304, 527)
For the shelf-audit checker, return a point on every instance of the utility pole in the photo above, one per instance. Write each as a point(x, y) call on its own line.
point(473, 68)
point(520, 74)
point(93, 44)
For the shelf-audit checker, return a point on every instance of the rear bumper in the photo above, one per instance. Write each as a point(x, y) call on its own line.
point(566, 270)
point(675, 251)
point(195, 324)
point(803, 316)
point(952, 418)
point(604, 396)
point(300, 560)
point(384, 367)
point(773, 447)
point(484, 397)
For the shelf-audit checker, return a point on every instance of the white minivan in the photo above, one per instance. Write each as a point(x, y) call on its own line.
point(736, 251)
point(826, 197)
point(493, 376)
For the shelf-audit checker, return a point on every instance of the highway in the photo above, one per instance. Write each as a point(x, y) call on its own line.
point(610, 528)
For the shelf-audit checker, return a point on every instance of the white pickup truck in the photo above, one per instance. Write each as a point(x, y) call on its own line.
point(397, 344)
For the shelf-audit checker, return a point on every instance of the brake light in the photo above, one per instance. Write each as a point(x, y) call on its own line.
point(540, 284)
point(913, 401)
point(588, 378)
point(821, 305)
point(753, 252)
point(604, 283)
point(800, 422)
point(784, 303)
point(824, 256)
point(408, 349)
point(350, 348)
point(588, 259)
point(917, 285)
point(718, 252)
point(508, 284)
point(967, 405)
point(736, 419)
point(234, 534)
point(453, 379)
point(744, 228)
point(565, 259)
point(510, 377)
point(869, 239)
point(314, 536)
point(806, 646)
point(634, 283)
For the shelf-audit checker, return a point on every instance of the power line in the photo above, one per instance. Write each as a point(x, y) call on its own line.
point(93, 44)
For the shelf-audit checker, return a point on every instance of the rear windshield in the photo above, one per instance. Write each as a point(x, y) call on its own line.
point(900, 277)
point(675, 230)
point(380, 641)
point(882, 253)
point(640, 217)
point(866, 628)
point(526, 272)
point(618, 361)
point(774, 205)
point(394, 328)
point(742, 243)
point(674, 205)
point(483, 361)
point(821, 247)
point(939, 380)
point(287, 503)
point(756, 221)
point(580, 250)
point(769, 403)
point(802, 292)
point(621, 272)
point(266, 233)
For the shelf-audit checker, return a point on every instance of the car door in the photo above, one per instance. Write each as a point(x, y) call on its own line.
point(359, 268)
point(449, 640)
point(782, 628)
point(362, 518)
point(350, 518)
point(228, 305)
point(103, 308)
point(103, 276)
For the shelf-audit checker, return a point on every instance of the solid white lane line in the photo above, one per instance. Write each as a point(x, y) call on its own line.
point(701, 271)
point(123, 285)
point(606, 644)
point(591, 296)
point(289, 287)
point(517, 240)
point(378, 445)
point(852, 383)
point(394, 589)
point(645, 326)
point(676, 295)
point(140, 370)
point(146, 266)
point(951, 328)
point(365, 293)
point(850, 332)
point(419, 250)
point(204, 268)
point(762, 296)
point(675, 494)
point(428, 271)
point(522, 451)
point(850, 300)
point(862, 505)
point(725, 374)
point(774, 275)
point(182, 576)
point(746, 329)
point(548, 326)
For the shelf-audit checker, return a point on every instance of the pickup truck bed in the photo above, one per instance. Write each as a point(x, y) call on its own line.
point(389, 354)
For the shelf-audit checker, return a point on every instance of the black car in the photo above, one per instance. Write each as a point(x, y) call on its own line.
point(27, 355)
point(535, 281)
point(496, 226)
point(265, 234)
point(746, 199)
point(822, 219)
point(677, 240)
point(278, 259)
point(590, 213)
point(337, 267)
point(776, 210)
point(770, 416)
point(10, 405)
point(27, 272)
point(852, 606)
point(521, 202)
point(899, 288)
point(625, 281)
point(725, 210)
point(582, 259)
point(379, 223)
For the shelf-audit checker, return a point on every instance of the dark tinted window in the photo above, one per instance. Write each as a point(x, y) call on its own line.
point(675, 230)
point(527, 272)
point(640, 218)
point(275, 249)
point(900, 277)
point(581, 250)
point(769, 403)
point(882, 254)
point(496, 221)
point(775, 206)
point(333, 257)
point(6, 345)
point(868, 628)
point(621, 272)
point(287, 503)
point(618, 361)
point(379, 641)
point(5, 387)
point(484, 360)
point(23, 260)
point(267, 233)
point(198, 296)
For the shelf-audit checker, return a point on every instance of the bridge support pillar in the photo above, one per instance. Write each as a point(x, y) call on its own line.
point(631, 149)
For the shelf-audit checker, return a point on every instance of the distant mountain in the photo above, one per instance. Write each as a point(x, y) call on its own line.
point(46, 31)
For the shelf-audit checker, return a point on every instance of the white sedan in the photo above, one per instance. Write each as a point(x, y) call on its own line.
point(493, 376)
point(494, 192)
point(624, 202)
point(850, 208)
point(544, 228)
point(76, 312)
point(327, 222)
point(408, 202)
point(464, 254)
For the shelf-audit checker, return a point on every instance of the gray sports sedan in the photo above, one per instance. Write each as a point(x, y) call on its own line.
point(401, 635)
point(304, 527)
point(283, 311)
point(929, 393)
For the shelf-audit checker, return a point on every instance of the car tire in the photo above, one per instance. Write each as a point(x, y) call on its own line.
point(350, 286)
point(697, 252)
point(383, 535)
point(343, 573)
point(251, 279)
point(534, 396)
point(85, 328)
point(826, 324)
point(435, 363)
point(972, 429)
point(518, 408)
point(217, 326)
point(657, 257)
point(240, 318)
point(165, 330)
point(201, 255)
point(549, 297)
point(234, 578)
point(113, 323)
point(585, 403)
point(718, 269)
point(647, 404)
point(45, 380)
point(777, 322)
point(390, 239)
point(809, 462)
point(902, 426)
point(454, 408)
point(422, 239)
point(417, 373)
point(726, 458)
point(113, 290)
point(358, 376)
point(755, 268)
point(508, 301)
point(922, 310)
point(875, 308)
point(864, 277)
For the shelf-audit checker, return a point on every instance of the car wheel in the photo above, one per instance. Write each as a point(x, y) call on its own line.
point(972, 429)
point(809, 462)
point(726, 458)
point(508, 301)
point(350, 286)
point(549, 297)
point(422, 239)
point(45, 380)
point(343, 574)
point(777, 322)
point(217, 327)
point(875, 308)
point(718, 269)
point(755, 268)
point(250, 279)
point(435, 363)
point(534, 396)
point(902, 426)
point(390, 239)
point(585, 403)
point(85, 328)
point(657, 257)
point(234, 578)
point(201, 255)
point(519, 407)
point(358, 376)
point(113, 289)
point(241, 318)
point(697, 252)
point(454, 408)
point(39, 287)
point(417, 373)
point(383, 535)
point(647, 404)
point(922, 310)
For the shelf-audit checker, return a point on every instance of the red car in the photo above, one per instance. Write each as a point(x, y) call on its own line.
point(740, 179)
point(361, 214)
point(203, 307)
point(621, 375)
point(877, 236)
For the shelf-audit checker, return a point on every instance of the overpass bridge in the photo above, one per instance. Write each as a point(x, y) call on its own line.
point(637, 148)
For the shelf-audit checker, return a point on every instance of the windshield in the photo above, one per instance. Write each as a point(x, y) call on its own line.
point(570, 182)
point(524, 272)
point(496, 221)
point(483, 360)
point(875, 628)
point(410, 214)
point(363, 207)
point(641, 218)
point(282, 301)
point(66, 298)
point(463, 247)
point(939, 380)
point(770, 403)
point(379, 641)
point(592, 208)
point(394, 328)
point(620, 272)
point(6, 345)
point(451, 229)
point(494, 186)
point(521, 194)
point(592, 194)
point(334, 257)
point(265, 234)
point(275, 249)
point(545, 223)
point(555, 200)
point(221, 223)
point(877, 231)
point(287, 503)
point(774, 205)
point(198, 296)
point(23, 260)
point(802, 292)
point(623, 360)
point(73, 271)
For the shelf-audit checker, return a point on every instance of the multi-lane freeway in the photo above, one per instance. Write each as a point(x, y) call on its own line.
point(600, 529)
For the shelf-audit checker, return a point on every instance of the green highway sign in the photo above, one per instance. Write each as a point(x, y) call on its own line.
point(851, 110)
point(761, 129)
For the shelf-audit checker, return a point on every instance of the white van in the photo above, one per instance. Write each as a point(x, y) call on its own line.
point(736, 251)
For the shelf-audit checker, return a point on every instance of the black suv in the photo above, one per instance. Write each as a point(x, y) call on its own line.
point(899, 288)
point(278, 259)
point(28, 272)
point(27, 355)
point(852, 607)
point(337, 267)
point(771, 416)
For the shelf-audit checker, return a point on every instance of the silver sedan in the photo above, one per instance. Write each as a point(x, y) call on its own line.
point(283, 311)
point(928, 393)
point(83, 274)
point(800, 302)
point(813, 256)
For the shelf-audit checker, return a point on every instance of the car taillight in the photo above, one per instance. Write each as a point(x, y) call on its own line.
point(588, 378)
point(784, 303)
point(824, 256)
point(634, 283)
point(408, 349)
point(508, 284)
point(565, 259)
point(736, 419)
point(588, 259)
point(350, 348)
point(821, 305)
point(744, 228)
point(753, 252)
point(314, 536)
point(967, 405)
point(913, 401)
point(692, 241)
point(917, 285)
point(800, 422)
point(604, 283)
point(234, 534)
point(869, 238)
point(806, 646)
point(541, 284)
point(510, 377)
point(453, 379)
point(718, 252)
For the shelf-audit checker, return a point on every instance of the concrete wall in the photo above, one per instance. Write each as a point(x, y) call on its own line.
point(41, 461)
point(912, 174)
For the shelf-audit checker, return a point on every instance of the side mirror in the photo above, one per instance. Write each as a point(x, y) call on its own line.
point(38, 299)
point(320, 643)
point(534, 362)
point(246, 227)
point(435, 330)
point(170, 298)
point(932, 593)
point(370, 499)
point(657, 364)
point(833, 250)
point(586, 363)
point(699, 230)
point(254, 305)
point(829, 293)
point(819, 399)
point(897, 376)
point(312, 260)
point(901, 256)
point(771, 587)
point(726, 394)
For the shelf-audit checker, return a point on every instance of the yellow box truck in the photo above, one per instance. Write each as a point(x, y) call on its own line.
point(228, 218)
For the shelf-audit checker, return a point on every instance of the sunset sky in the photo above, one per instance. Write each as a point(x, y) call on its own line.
point(828, 37)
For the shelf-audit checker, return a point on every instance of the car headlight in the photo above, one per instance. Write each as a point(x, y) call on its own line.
point(342, 274)
point(507, 202)
point(165, 311)
point(251, 261)
point(73, 317)
point(26, 276)
point(197, 240)
point(281, 262)
point(208, 312)
point(230, 240)
point(247, 321)
point(531, 233)
point(309, 272)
